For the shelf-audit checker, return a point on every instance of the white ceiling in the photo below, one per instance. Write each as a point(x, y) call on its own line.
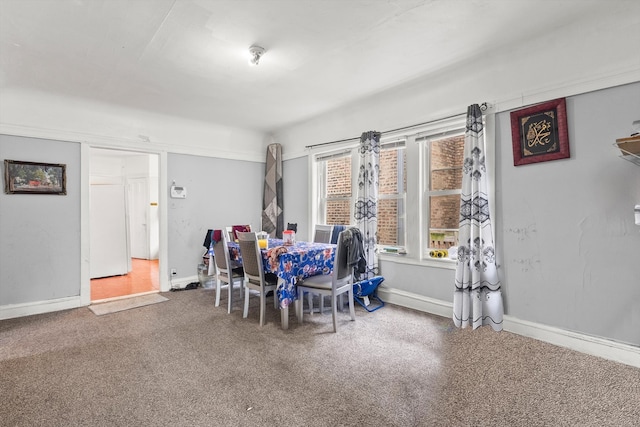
point(188, 58)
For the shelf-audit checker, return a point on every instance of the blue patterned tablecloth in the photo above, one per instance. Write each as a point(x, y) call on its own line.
point(301, 260)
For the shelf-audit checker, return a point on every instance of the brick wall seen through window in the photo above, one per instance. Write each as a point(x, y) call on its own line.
point(339, 191)
point(446, 160)
point(339, 194)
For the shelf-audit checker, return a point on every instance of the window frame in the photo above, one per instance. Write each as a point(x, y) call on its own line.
point(320, 215)
point(415, 211)
point(451, 126)
point(397, 144)
point(426, 175)
point(318, 182)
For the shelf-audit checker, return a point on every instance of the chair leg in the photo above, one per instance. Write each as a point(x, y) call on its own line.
point(243, 289)
point(218, 286)
point(230, 299)
point(263, 306)
point(246, 303)
point(334, 312)
point(310, 302)
point(321, 303)
point(351, 307)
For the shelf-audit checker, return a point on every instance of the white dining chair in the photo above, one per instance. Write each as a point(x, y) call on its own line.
point(255, 277)
point(233, 236)
point(322, 233)
point(226, 271)
point(336, 284)
point(326, 234)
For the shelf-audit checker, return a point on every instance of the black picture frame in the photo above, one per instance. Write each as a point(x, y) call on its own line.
point(22, 177)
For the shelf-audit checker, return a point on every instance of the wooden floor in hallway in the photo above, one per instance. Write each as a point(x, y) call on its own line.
point(143, 277)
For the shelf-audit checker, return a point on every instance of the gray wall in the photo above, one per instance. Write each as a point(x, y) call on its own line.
point(436, 283)
point(295, 194)
point(40, 234)
point(220, 193)
point(40, 256)
point(567, 244)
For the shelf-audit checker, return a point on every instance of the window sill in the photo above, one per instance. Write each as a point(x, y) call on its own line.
point(447, 264)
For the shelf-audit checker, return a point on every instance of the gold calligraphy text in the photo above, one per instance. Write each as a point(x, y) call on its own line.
point(539, 133)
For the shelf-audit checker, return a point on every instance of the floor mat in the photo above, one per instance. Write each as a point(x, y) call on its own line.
point(126, 304)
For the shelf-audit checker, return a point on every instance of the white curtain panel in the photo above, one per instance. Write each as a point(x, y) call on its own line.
point(477, 299)
point(366, 209)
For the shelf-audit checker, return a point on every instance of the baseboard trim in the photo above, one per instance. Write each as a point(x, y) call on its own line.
point(595, 346)
point(182, 282)
point(600, 347)
point(11, 311)
point(415, 301)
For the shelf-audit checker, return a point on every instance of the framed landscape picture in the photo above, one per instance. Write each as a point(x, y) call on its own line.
point(539, 133)
point(34, 178)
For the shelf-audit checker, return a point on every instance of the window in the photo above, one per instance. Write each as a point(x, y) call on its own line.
point(420, 181)
point(337, 175)
point(444, 157)
point(392, 189)
point(334, 189)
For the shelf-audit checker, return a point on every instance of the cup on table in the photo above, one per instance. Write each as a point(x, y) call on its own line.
point(263, 239)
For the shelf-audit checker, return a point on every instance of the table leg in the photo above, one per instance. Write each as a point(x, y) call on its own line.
point(284, 317)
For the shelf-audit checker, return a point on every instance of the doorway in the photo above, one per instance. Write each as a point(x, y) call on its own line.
point(142, 279)
point(124, 236)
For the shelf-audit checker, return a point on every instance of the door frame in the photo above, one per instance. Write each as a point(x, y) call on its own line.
point(85, 191)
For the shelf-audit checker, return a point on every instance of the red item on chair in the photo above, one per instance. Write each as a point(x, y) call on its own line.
point(240, 228)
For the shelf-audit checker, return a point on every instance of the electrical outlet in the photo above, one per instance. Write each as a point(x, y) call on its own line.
point(174, 271)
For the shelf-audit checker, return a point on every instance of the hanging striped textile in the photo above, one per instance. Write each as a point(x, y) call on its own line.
point(272, 214)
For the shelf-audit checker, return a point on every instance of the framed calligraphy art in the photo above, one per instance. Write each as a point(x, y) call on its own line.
point(540, 133)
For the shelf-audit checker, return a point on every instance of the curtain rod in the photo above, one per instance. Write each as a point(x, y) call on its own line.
point(483, 107)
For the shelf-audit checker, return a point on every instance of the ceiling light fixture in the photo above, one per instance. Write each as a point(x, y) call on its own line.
point(256, 53)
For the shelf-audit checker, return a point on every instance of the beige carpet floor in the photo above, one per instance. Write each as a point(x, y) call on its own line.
point(187, 363)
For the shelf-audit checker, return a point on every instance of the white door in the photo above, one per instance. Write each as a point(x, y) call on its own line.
point(109, 234)
point(139, 217)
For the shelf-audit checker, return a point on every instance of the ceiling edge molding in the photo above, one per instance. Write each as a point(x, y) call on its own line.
point(621, 77)
point(123, 143)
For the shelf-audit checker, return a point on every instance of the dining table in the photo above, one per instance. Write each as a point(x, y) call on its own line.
point(291, 263)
